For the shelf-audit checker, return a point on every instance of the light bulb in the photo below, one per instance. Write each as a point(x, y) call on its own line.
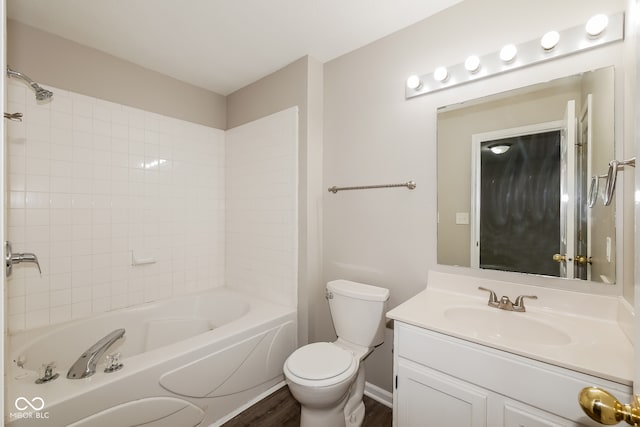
point(499, 149)
point(440, 74)
point(596, 25)
point(414, 82)
point(550, 40)
point(508, 52)
point(472, 64)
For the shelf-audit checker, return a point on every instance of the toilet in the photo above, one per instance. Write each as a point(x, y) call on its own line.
point(328, 378)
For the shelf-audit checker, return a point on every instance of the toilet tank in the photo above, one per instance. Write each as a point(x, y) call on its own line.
point(358, 311)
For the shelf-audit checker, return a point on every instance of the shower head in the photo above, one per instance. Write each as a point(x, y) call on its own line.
point(41, 94)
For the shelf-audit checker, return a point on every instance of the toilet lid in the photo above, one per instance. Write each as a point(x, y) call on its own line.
point(319, 361)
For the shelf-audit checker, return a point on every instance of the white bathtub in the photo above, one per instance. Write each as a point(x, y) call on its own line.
point(188, 361)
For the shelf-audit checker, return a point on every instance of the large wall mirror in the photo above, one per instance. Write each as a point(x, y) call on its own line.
point(520, 181)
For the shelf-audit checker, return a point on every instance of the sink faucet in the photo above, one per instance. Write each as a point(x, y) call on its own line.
point(505, 303)
point(85, 366)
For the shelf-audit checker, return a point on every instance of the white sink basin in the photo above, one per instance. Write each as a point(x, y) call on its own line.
point(505, 325)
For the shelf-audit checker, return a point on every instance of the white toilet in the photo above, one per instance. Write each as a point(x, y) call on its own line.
point(328, 378)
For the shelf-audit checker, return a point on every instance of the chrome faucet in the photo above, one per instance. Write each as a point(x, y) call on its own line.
point(505, 303)
point(85, 366)
point(11, 258)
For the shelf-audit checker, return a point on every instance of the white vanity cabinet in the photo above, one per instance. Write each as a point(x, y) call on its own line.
point(426, 397)
point(443, 381)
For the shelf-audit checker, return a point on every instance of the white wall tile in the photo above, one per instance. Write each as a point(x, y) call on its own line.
point(37, 318)
point(90, 181)
point(261, 206)
point(60, 314)
point(80, 193)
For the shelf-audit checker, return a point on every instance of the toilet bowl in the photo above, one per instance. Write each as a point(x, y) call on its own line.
point(328, 378)
point(320, 377)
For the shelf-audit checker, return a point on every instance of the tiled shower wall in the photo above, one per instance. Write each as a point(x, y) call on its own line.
point(91, 183)
point(262, 204)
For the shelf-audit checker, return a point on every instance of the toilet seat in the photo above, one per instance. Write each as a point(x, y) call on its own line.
point(320, 364)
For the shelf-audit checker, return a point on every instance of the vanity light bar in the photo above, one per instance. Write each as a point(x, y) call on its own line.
point(554, 44)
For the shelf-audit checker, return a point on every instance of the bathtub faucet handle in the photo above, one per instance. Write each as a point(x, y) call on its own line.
point(47, 373)
point(11, 258)
point(113, 363)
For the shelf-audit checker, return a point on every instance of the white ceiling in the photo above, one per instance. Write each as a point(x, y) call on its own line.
point(222, 45)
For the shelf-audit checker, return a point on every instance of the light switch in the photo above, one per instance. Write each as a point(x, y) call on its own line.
point(608, 249)
point(462, 218)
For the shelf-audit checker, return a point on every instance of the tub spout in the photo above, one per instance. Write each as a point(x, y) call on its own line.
point(85, 366)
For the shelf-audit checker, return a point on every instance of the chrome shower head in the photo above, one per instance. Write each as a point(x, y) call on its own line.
point(41, 94)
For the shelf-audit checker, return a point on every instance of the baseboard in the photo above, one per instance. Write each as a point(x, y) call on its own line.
point(249, 404)
point(378, 394)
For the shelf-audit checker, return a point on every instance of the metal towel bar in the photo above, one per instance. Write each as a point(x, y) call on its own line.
point(410, 185)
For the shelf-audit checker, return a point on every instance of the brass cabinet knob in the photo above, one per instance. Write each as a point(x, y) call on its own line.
point(559, 258)
point(580, 259)
point(604, 408)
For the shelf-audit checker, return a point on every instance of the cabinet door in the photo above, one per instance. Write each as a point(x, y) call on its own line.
point(519, 415)
point(427, 398)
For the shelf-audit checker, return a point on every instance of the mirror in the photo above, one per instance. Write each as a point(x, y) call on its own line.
point(515, 173)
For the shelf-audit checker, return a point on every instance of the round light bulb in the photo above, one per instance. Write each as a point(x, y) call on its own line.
point(413, 82)
point(550, 40)
point(472, 64)
point(508, 52)
point(597, 24)
point(440, 74)
point(499, 149)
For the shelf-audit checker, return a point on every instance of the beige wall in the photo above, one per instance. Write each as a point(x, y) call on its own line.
point(299, 83)
point(598, 85)
point(55, 61)
point(282, 89)
point(372, 135)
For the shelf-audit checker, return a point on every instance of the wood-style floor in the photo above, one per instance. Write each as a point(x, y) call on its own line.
point(280, 409)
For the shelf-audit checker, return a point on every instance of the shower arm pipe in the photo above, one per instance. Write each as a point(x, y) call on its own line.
point(19, 75)
point(612, 176)
point(41, 93)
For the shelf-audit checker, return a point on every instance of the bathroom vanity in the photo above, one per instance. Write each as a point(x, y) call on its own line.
point(460, 362)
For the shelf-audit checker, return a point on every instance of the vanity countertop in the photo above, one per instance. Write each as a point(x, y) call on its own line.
point(573, 330)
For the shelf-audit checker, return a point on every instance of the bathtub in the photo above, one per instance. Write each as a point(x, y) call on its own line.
point(189, 361)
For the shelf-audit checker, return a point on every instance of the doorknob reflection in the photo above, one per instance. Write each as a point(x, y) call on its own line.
point(603, 407)
point(561, 258)
point(580, 259)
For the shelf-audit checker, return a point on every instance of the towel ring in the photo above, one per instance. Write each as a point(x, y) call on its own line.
point(593, 189)
point(612, 177)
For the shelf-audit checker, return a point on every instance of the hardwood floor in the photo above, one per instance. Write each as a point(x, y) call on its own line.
point(280, 409)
